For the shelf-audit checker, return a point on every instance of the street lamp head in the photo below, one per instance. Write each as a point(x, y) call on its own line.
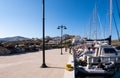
point(65, 28)
point(58, 28)
point(61, 27)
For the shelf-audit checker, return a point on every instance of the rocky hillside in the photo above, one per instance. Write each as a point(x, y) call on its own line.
point(115, 42)
point(4, 51)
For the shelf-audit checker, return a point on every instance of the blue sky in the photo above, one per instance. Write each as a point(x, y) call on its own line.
point(24, 17)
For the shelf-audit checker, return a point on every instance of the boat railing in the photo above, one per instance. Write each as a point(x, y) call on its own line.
point(103, 59)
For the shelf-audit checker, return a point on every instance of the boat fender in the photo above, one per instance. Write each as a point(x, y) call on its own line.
point(111, 65)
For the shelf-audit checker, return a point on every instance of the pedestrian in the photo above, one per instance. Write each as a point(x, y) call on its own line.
point(66, 49)
point(70, 50)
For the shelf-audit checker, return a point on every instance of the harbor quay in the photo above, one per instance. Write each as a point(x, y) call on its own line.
point(29, 65)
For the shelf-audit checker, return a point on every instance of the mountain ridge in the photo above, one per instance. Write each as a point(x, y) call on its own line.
point(15, 38)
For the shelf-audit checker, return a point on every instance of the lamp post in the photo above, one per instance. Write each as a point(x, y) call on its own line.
point(61, 27)
point(43, 12)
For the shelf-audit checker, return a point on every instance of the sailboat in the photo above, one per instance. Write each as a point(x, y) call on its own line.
point(103, 61)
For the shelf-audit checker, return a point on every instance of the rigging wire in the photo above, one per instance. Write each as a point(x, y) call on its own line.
point(118, 10)
point(101, 28)
point(90, 26)
point(116, 27)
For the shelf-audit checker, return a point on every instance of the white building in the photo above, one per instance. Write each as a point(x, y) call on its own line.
point(76, 40)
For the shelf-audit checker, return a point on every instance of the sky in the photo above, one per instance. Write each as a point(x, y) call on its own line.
point(24, 18)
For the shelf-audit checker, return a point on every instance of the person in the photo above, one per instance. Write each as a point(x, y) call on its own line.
point(93, 48)
point(89, 51)
point(66, 49)
point(70, 49)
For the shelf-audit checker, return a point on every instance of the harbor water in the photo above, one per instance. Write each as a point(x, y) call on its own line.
point(116, 75)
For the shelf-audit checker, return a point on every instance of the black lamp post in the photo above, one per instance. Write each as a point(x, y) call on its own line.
point(61, 27)
point(43, 10)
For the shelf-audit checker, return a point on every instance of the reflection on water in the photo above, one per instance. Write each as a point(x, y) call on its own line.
point(93, 77)
point(117, 75)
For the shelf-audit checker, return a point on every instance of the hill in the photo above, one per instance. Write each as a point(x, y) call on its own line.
point(16, 38)
point(115, 42)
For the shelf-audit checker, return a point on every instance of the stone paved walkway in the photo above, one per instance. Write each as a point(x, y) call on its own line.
point(28, 65)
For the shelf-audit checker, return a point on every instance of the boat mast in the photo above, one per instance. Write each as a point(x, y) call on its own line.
point(110, 21)
point(96, 19)
point(95, 23)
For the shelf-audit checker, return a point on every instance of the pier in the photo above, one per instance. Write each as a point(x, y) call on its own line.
point(28, 65)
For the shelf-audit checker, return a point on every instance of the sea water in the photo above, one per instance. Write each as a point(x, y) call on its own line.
point(116, 75)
